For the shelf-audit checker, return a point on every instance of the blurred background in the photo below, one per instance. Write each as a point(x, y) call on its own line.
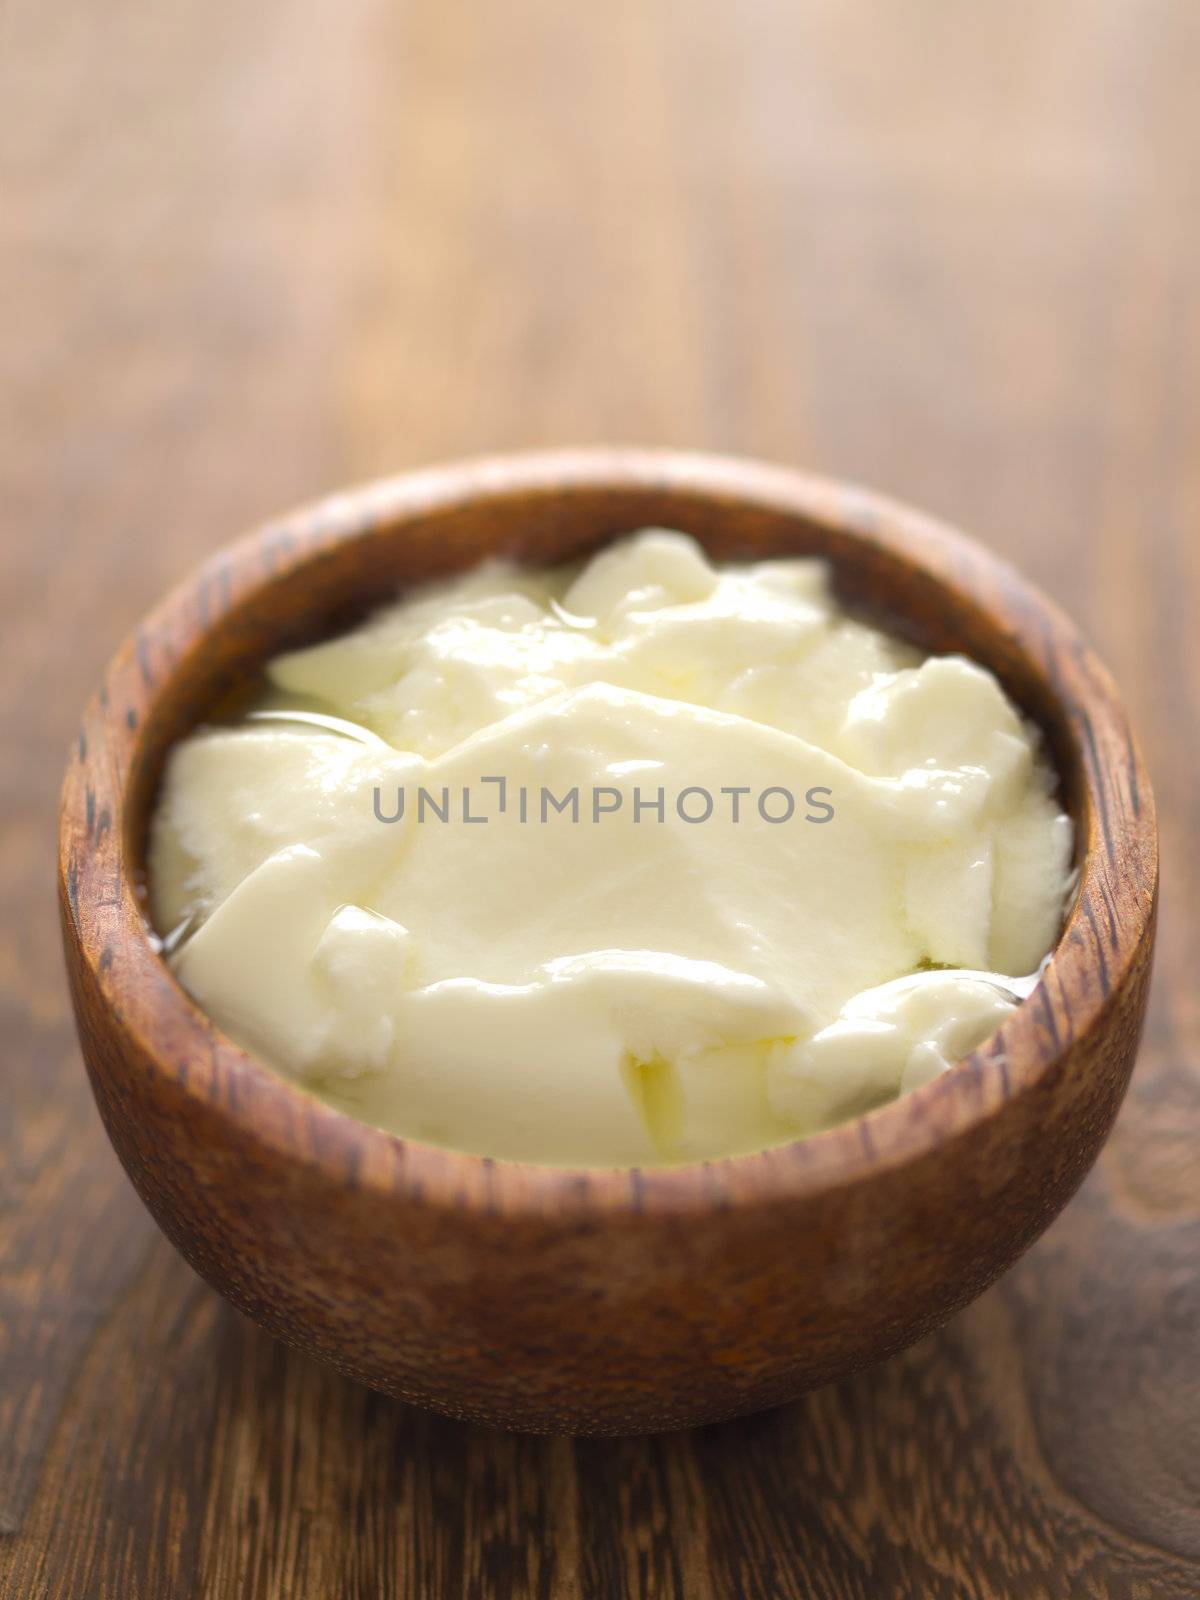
point(249, 253)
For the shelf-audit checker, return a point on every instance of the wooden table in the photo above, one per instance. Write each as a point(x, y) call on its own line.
point(257, 251)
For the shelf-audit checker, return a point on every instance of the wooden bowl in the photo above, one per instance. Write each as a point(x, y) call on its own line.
point(599, 1301)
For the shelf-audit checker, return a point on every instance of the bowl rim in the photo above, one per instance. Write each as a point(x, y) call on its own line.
point(1102, 938)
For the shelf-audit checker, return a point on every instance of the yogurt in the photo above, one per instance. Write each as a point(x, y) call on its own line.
point(613, 865)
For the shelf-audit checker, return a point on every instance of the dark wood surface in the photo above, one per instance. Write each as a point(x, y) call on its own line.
point(252, 252)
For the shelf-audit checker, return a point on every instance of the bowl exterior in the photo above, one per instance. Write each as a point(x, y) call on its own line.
point(607, 1301)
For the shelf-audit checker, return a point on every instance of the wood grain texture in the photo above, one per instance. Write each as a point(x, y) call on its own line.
point(253, 252)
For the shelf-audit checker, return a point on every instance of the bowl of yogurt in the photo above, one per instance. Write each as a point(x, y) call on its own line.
point(604, 940)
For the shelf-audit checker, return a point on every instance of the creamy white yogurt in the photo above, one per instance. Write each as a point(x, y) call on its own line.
point(608, 866)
